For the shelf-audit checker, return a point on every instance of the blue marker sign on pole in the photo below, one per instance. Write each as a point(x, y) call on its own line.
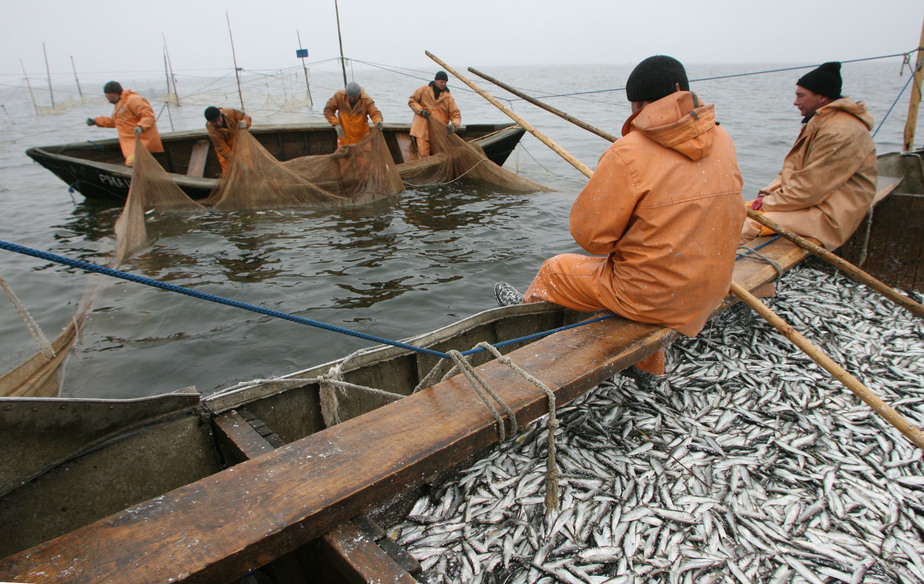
point(301, 53)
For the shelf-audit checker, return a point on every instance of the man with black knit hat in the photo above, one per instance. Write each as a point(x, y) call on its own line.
point(829, 176)
point(662, 213)
point(222, 125)
point(434, 100)
point(132, 115)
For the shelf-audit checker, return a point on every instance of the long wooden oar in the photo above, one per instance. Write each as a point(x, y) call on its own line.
point(603, 134)
point(816, 354)
point(839, 262)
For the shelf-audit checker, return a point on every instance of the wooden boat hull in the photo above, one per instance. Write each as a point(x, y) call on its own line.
point(95, 168)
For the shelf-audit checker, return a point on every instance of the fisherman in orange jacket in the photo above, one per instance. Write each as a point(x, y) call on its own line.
point(432, 99)
point(662, 212)
point(132, 115)
point(347, 111)
point(222, 125)
point(829, 177)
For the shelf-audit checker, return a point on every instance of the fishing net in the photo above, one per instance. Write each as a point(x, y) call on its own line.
point(453, 158)
point(354, 174)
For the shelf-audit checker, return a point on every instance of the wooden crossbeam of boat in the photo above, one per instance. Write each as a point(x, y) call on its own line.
point(223, 526)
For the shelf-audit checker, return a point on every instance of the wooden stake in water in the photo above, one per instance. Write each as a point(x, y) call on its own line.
point(168, 68)
point(48, 73)
point(340, 38)
point(79, 91)
point(307, 85)
point(234, 57)
point(29, 85)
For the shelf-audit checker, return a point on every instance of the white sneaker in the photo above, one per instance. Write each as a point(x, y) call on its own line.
point(506, 294)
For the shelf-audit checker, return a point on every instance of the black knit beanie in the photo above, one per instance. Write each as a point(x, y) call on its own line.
point(441, 76)
point(212, 113)
point(112, 87)
point(825, 80)
point(656, 77)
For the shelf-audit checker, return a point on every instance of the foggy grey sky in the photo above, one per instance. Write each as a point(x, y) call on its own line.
point(107, 38)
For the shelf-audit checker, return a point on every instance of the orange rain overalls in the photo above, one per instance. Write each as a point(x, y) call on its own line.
point(443, 109)
point(828, 179)
point(352, 117)
point(664, 208)
point(132, 110)
point(223, 137)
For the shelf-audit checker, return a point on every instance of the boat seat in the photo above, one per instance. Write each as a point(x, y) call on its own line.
point(197, 158)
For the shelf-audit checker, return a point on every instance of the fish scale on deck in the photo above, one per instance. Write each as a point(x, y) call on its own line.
point(748, 463)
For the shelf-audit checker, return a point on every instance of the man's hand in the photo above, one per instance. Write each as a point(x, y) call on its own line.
point(339, 129)
point(425, 113)
point(242, 124)
point(451, 128)
point(379, 126)
point(758, 203)
point(91, 122)
point(138, 130)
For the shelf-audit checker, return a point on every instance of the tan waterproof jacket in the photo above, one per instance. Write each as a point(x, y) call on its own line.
point(443, 109)
point(664, 205)
point(133, 110)
point(223, 137)
point(829, 177)
point(338, 111)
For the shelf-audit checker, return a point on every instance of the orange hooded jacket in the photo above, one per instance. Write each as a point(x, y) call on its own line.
point(828, 179)
point(133, 110)
point(664, 207)
point(443, 109)
point(223, 137)
point(338, 111)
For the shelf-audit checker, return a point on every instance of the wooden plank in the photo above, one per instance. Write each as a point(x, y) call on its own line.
point(225, 525)
point(358, 558)
point(197, 158)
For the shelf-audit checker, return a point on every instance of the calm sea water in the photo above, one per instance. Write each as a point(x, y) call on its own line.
point(393, 269)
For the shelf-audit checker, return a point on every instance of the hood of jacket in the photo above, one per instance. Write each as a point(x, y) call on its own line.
point(678, 121)
point(847, 105)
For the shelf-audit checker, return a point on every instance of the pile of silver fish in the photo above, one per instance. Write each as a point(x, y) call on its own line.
point(745, 463)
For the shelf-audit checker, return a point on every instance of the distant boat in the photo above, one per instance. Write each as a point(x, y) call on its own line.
point(96, 169)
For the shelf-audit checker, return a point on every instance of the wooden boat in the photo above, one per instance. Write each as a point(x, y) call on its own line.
point(96, 169)
point(188, 488)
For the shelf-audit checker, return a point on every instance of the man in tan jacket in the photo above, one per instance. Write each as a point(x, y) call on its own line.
point(222, 125)
point(131, 115)
point(347, 111)
point(829, 176)
point(434, 100)
point(662, 213)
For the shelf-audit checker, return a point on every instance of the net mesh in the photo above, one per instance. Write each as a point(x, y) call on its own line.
point(453, 158)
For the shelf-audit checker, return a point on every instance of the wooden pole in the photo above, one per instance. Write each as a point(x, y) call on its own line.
point(168, 65)
point(237, 69)
point(603, 134)
point(851, 382)
point(74, 67)
point(48, 73)
point(526, 125)
point(29, 85)
point(307, 85)
point(340, 38)
point(840, 263)
point(912, 120)
point(880, 407)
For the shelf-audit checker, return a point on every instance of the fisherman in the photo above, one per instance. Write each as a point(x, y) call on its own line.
point(432, 99)
point(222, 125)
point(348, 110)
point(663, 208)
point(829, 176)
point(132, 115)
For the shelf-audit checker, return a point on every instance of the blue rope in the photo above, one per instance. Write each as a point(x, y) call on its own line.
point(274, 313)
point(897, 97)
point(203, 296)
